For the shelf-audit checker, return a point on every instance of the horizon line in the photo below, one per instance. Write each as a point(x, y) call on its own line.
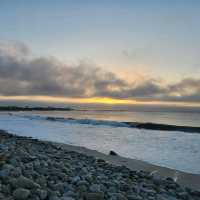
point(95, 100)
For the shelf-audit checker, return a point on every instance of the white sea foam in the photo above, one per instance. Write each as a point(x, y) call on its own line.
point(176, 150)
point(76, 121)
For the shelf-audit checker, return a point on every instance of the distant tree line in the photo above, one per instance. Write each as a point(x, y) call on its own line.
point(26, 108)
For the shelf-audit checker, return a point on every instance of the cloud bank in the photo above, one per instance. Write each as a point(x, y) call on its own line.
point(22, 74)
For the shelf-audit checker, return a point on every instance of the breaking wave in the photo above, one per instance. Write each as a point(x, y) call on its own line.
point(94, 122)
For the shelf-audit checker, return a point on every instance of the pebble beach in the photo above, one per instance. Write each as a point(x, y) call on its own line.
point(39, 170)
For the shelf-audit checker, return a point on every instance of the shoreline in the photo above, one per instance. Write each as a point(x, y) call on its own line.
point(185, 179)
point(24, 160)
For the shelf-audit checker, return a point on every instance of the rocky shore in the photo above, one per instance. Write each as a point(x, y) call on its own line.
point(38, 170)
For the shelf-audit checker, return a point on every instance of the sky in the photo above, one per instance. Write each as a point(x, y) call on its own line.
point(112, 51)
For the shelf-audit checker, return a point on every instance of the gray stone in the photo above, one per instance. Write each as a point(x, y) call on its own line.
point(59, 187)
point(3, 147)
point(67, 198)
point(70, 194)
point(112, 189)
point(82, 183)
point(2, 196)
point(16, 172)
point(8, 166)
point(183, 195)
point(42, 181)
point(21, 194)
point(151, 198)
point(24, 182)
point(157, 180)
point(4, 173)
point(148, 191)
point(118, 196)
point(41, 193)
point(13, 161)
point(95, 188)
point(81, 189)
point(134, 197)
point(68, 187)
point(6, 189)
point(124, 187)
point(94, 196)
point(54, 198)
point(89, 178)
point(165, 197)
point(76, 179)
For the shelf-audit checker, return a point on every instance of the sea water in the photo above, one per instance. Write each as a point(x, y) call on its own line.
point(176, 150)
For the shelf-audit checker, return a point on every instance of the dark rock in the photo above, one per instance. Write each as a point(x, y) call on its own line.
point(134, 197)
point(16, 172)
point(183, 195)
point(21, 194)
point(112, 153)
point(54, 198)
point(94, 196)
point(67, 198)
point(4, 173)
point(23, 182)
point(195, 193)
point(41, 193)
point(118, 196)
point(95, 188)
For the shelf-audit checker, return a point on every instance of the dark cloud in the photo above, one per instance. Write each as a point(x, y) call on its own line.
point(186, 84)
point(47, 76)
point(188, 90)
point(22, 74)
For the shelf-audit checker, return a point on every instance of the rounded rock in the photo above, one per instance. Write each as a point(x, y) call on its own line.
point(24, 182)
point(94, 196)
point(41, 193)
point(95, 188)
point(21, 194)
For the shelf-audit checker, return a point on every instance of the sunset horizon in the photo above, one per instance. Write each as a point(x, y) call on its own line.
point(121, 56)
point(102, 86)
point(99, 100)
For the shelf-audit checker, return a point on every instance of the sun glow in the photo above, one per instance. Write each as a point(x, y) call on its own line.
point(94, 100)
point(100, 100)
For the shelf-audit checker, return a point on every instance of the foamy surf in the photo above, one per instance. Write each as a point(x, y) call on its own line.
point(95, 122)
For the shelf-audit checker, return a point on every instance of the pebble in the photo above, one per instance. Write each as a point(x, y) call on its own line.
point(41, 193)
point(118, 196)
point(95, 188)
point(21, 194)
point(4, 173)
point(25, 183)
point(94, 196)
point(134, 197)
point(67, 198)
point(113, 153)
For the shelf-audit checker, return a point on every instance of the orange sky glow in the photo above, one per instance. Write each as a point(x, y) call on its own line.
point(94, 100)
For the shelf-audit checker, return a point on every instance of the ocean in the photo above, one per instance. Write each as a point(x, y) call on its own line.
point(102, 129)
